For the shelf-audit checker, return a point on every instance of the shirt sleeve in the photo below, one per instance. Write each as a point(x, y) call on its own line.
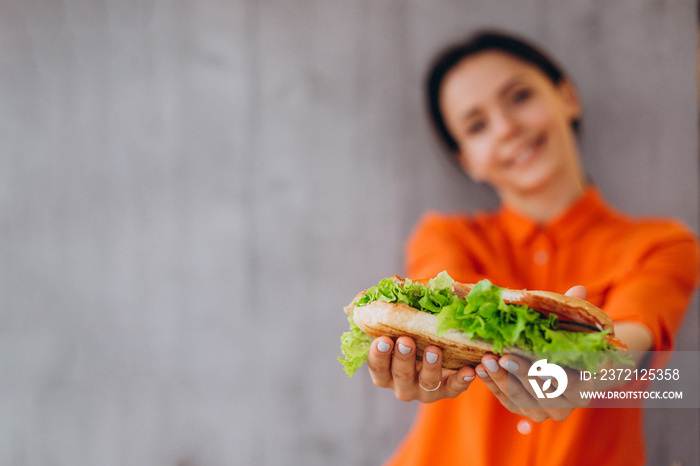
point(438, 243)
point(658, 287)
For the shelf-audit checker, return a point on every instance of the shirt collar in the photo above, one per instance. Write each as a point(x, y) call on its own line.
point(575, 219)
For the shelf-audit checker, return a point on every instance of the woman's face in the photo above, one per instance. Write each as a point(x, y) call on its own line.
point(511, 123)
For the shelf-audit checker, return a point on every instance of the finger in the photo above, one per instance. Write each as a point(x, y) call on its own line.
point(379, 361)
point(482, 373)
point(459, 381)
point(518, 368)
point(403, 368)
point(499, 380)
point(430, 375)
point(578, 291)
point(513, 394)
point(575, 387)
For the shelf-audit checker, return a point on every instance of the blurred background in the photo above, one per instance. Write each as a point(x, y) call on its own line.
point(190, 192)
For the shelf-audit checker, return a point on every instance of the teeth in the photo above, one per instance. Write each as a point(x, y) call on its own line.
point(523, 155)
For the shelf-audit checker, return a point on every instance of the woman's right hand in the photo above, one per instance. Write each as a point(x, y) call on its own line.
point(393, 365)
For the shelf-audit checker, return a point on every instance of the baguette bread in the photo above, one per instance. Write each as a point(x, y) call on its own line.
point(380, 318)
point(395, 320)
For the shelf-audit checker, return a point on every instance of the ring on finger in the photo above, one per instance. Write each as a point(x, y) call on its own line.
point(430, 389)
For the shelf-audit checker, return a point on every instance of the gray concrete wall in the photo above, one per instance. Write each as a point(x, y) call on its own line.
point(191, 191)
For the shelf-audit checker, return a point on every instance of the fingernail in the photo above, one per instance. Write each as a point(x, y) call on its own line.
point(510, 366)
point(469, 378)
point(491, 365)
point(482, 374)
point(431, 357)
point(403, 349)
point(383, 346)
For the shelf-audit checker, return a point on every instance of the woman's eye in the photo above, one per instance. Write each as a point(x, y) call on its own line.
point(475, 127)
point(520, 96)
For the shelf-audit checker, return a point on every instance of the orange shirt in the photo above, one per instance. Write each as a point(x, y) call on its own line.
point(642, 270)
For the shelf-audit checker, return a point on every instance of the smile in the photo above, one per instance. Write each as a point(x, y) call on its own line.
point(527, 154)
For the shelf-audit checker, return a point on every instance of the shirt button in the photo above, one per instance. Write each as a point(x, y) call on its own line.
point(541, 257)
point(524, 426)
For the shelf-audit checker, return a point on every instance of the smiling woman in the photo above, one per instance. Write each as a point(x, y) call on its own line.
point(510, 117)
point(515, 134)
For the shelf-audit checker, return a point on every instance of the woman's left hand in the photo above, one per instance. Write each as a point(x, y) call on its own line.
point(507, 377)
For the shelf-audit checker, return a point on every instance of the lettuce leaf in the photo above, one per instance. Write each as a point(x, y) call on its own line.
point(355, 346)
point(483, 314)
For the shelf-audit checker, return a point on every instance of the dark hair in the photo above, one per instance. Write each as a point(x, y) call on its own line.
point(481, 42)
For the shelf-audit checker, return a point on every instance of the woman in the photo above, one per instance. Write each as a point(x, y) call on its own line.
point(510, 116)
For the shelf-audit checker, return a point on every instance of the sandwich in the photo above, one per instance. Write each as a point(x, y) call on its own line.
point(469, 320)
